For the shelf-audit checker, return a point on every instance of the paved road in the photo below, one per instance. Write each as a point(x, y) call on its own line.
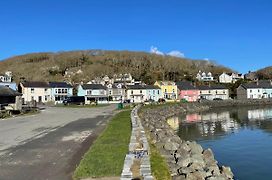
point(48, 145)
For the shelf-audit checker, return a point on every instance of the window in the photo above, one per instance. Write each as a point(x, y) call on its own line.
point(45, 90)
point(141, 91)
point(165, 90)
point(32, 90)
point(258, 90)
point(250, 91)
point(110, 93)
point(66, 91)
point(209, 91)
point(215, 92)
point(45, 98)
point(56, 91)
point(59, 91)
point(62, 91)
point(173, 90)
point(89, 92)
point(158, 91)
point(224, 92)
point(131, 91)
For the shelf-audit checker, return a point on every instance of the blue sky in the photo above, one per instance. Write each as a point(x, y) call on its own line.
point(234, 33)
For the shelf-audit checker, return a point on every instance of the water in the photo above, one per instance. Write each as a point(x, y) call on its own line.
point(239, 137)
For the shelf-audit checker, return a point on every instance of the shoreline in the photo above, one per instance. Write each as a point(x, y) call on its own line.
point(187, 159)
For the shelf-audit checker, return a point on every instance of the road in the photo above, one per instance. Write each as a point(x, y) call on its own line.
point(50, 144)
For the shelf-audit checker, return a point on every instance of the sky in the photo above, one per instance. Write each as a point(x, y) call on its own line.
point(234, 33)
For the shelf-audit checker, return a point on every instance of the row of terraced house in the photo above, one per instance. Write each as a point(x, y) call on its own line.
point(119, 92)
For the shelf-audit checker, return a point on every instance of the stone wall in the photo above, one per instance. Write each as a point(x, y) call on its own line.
point(187, 159)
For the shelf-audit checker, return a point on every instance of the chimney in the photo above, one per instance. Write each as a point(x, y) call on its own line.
point(257, 82)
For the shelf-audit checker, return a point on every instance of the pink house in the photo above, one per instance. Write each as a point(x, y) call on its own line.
point(187, 91)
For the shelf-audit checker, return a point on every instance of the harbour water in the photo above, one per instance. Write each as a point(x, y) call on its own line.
point(239, 137)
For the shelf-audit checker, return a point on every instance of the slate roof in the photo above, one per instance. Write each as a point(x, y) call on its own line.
point(152, 87)
point(256, 85)
point(185, 85)
point(35, 84)
point(5, 91)
point(59, 85)
point(93, 86)
point(216, 86)
point(137, 86)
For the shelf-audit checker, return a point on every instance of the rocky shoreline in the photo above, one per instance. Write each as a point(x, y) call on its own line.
point(187, 159)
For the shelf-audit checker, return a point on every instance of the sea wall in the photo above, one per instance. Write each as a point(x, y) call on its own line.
point(187, 159)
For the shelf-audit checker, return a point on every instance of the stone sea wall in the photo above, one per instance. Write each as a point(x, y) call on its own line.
point(187, 159)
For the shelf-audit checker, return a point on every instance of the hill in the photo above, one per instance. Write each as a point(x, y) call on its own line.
point(76, 66)
point(265, 73)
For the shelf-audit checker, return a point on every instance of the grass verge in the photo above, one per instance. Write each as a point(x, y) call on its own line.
point(159, 166)
point(106, 156)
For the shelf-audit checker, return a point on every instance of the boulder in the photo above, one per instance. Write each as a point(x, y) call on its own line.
point(171, 146)
point(226, 171)
point(184, 162)
point(195, 148)
point(197, 175)
point(209, 157)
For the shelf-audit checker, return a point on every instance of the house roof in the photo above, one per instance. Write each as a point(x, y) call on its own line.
point(152, 87)
point(185, 85)
point(36, 84)
point(93, 86)
point(5, 91)
point(59, 85)
point(136, 86)
point(165, 83)
point(255, 85)
point(216, 86)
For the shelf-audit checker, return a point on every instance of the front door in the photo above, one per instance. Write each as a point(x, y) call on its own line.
point(40, 99)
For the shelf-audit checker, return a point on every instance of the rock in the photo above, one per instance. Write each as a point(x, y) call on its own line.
point(197, 158)
point(209, 157)
point(185, 147)
point(195, 148)
point(180, 177)
point(196, 176)
point(196, 166)
point(184, 162)
point(217, 178)
point(227, 172)
point(171, 146)
point(214, 170)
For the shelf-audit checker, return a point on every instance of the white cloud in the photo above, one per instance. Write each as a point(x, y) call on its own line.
point(154, 50)
point(176, 53)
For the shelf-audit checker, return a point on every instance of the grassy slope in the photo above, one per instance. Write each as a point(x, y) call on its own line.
point(106, 156)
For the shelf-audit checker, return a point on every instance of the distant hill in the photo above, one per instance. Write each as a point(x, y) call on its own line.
point(76, 66)
point(265, 73)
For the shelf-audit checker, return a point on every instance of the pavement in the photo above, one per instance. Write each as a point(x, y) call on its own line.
point(49, 145)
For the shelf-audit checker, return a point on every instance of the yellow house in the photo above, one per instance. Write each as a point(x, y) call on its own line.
point(169, 89)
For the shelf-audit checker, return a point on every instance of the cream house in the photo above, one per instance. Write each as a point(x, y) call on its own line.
point(214, 91)
point(35, 91)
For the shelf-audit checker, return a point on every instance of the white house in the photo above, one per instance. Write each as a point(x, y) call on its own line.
point(255, 90)
point(202, 76)
point(93, 93)
point(35, 91)
point(7, 77)
point(136, 93)
point(213, 91)
point(230, 77)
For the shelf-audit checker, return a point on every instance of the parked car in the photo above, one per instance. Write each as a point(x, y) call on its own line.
point(218, 99)
point(79, 100)
point(161, 100)
point(127, 101)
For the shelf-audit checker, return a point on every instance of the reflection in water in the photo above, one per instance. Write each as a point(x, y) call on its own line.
point(173, 122)
point(239, 137)
point(220, 122)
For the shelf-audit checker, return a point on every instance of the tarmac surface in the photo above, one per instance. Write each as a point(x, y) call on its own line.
point(49, 145)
